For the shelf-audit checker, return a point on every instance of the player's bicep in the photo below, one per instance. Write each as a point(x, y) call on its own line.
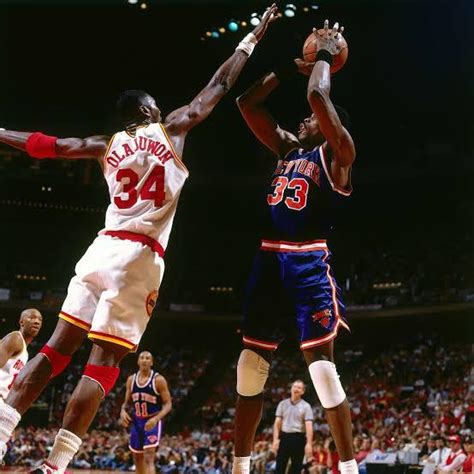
point(76, 148)
point(267, 130)
point(337, 136)
point(188, 116)
point(128, 389)
point(10, 345)
point(161, 386)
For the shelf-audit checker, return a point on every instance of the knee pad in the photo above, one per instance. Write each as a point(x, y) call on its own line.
point(252, 373)
point(105, 377)
point(58, 361)
point(326, 383)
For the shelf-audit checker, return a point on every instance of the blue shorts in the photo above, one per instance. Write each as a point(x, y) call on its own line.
point(292, 285)
point(140, 439)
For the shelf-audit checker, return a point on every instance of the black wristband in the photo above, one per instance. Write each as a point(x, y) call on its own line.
point(324, 55)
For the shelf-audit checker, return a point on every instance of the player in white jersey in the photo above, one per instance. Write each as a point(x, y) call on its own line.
point(117, 280)
point(13, 349)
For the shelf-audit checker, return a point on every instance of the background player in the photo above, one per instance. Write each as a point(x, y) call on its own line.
point(291, 275)
point(151, 401)
point(13, 352)
point(116, 284)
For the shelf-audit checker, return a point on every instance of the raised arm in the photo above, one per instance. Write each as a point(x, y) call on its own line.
point(180, 121)
point(10, 345)
point(252, 107)
point(340, 142)
point(40, 146)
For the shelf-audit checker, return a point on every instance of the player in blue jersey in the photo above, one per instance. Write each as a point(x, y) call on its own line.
point(292, 283)
point(151, 402)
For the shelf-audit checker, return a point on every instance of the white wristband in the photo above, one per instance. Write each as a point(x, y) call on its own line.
point(247, 45)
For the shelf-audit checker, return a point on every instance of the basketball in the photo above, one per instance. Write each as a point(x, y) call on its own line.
point(310, 50)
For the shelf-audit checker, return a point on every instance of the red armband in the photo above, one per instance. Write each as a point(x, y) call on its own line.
point(104, 376)
point(41, 146)
point(58, 361)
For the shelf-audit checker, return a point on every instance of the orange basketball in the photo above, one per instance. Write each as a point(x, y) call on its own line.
point(310, 50)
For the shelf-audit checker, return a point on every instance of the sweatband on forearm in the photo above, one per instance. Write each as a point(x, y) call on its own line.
point(324, 55)
point(41, 146)
point(248, 44)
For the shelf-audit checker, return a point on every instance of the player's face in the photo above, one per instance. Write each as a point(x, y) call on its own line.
point(153, 111)
point(309, 129)
point(145, 361)
point(32, 322)
point(297, 389)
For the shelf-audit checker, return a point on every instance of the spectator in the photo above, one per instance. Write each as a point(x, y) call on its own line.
point(436, 458)
point(456, 456)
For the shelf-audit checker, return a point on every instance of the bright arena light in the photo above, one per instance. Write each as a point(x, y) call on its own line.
point(233, 26)
point(254, 20)
point(143, 6)
point(290, 10)
point(133, 2)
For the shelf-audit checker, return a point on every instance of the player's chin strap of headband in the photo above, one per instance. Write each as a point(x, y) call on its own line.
point(247, 45)
point(41, 146)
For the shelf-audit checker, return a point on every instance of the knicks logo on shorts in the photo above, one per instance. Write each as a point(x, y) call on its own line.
point(151, 301)
point(152, 439)
point(323, 317)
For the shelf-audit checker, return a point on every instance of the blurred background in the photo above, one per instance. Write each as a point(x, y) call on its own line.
point(403, 244)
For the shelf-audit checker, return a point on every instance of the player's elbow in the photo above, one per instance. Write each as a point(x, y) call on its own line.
point(242, 102)
point(317, 94)
point(245, 101)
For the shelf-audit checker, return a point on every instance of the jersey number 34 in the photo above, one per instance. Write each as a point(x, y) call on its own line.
point(153, 188)
point(299, 185)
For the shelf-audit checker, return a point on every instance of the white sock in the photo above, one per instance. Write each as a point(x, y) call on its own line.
point(241, 465)
point(9, 418)
point(66, 445)
point(348, 467)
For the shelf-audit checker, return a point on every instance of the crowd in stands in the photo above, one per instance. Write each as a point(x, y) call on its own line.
point(182, 369)
point(401, 399)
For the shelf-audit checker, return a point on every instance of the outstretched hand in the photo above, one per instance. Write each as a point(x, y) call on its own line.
point(329, 39)
point(268, 17)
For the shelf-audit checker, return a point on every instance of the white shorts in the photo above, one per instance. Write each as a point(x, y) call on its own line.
point(114, 291)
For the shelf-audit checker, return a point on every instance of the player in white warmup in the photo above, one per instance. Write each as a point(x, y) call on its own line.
point(111, 297)
point(13, 349)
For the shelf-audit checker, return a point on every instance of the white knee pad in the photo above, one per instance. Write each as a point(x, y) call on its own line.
point(252, 373)
point(327, 384)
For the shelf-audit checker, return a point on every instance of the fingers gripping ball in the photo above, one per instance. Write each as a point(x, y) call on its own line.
point(310, 49)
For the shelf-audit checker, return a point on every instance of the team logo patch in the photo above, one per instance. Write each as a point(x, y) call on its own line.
point(323, 317)
point(151, 301)
point(152, 439)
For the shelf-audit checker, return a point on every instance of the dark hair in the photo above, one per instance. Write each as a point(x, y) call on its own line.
point(343, 117)
point(128, 106)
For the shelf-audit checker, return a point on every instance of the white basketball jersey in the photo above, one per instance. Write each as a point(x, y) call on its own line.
point(11, 369)
point(145, 177)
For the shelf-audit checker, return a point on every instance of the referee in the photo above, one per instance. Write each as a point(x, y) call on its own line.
point(293, 430)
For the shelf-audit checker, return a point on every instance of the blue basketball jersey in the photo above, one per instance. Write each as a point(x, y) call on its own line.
point(302, 199)
point(146, 401)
